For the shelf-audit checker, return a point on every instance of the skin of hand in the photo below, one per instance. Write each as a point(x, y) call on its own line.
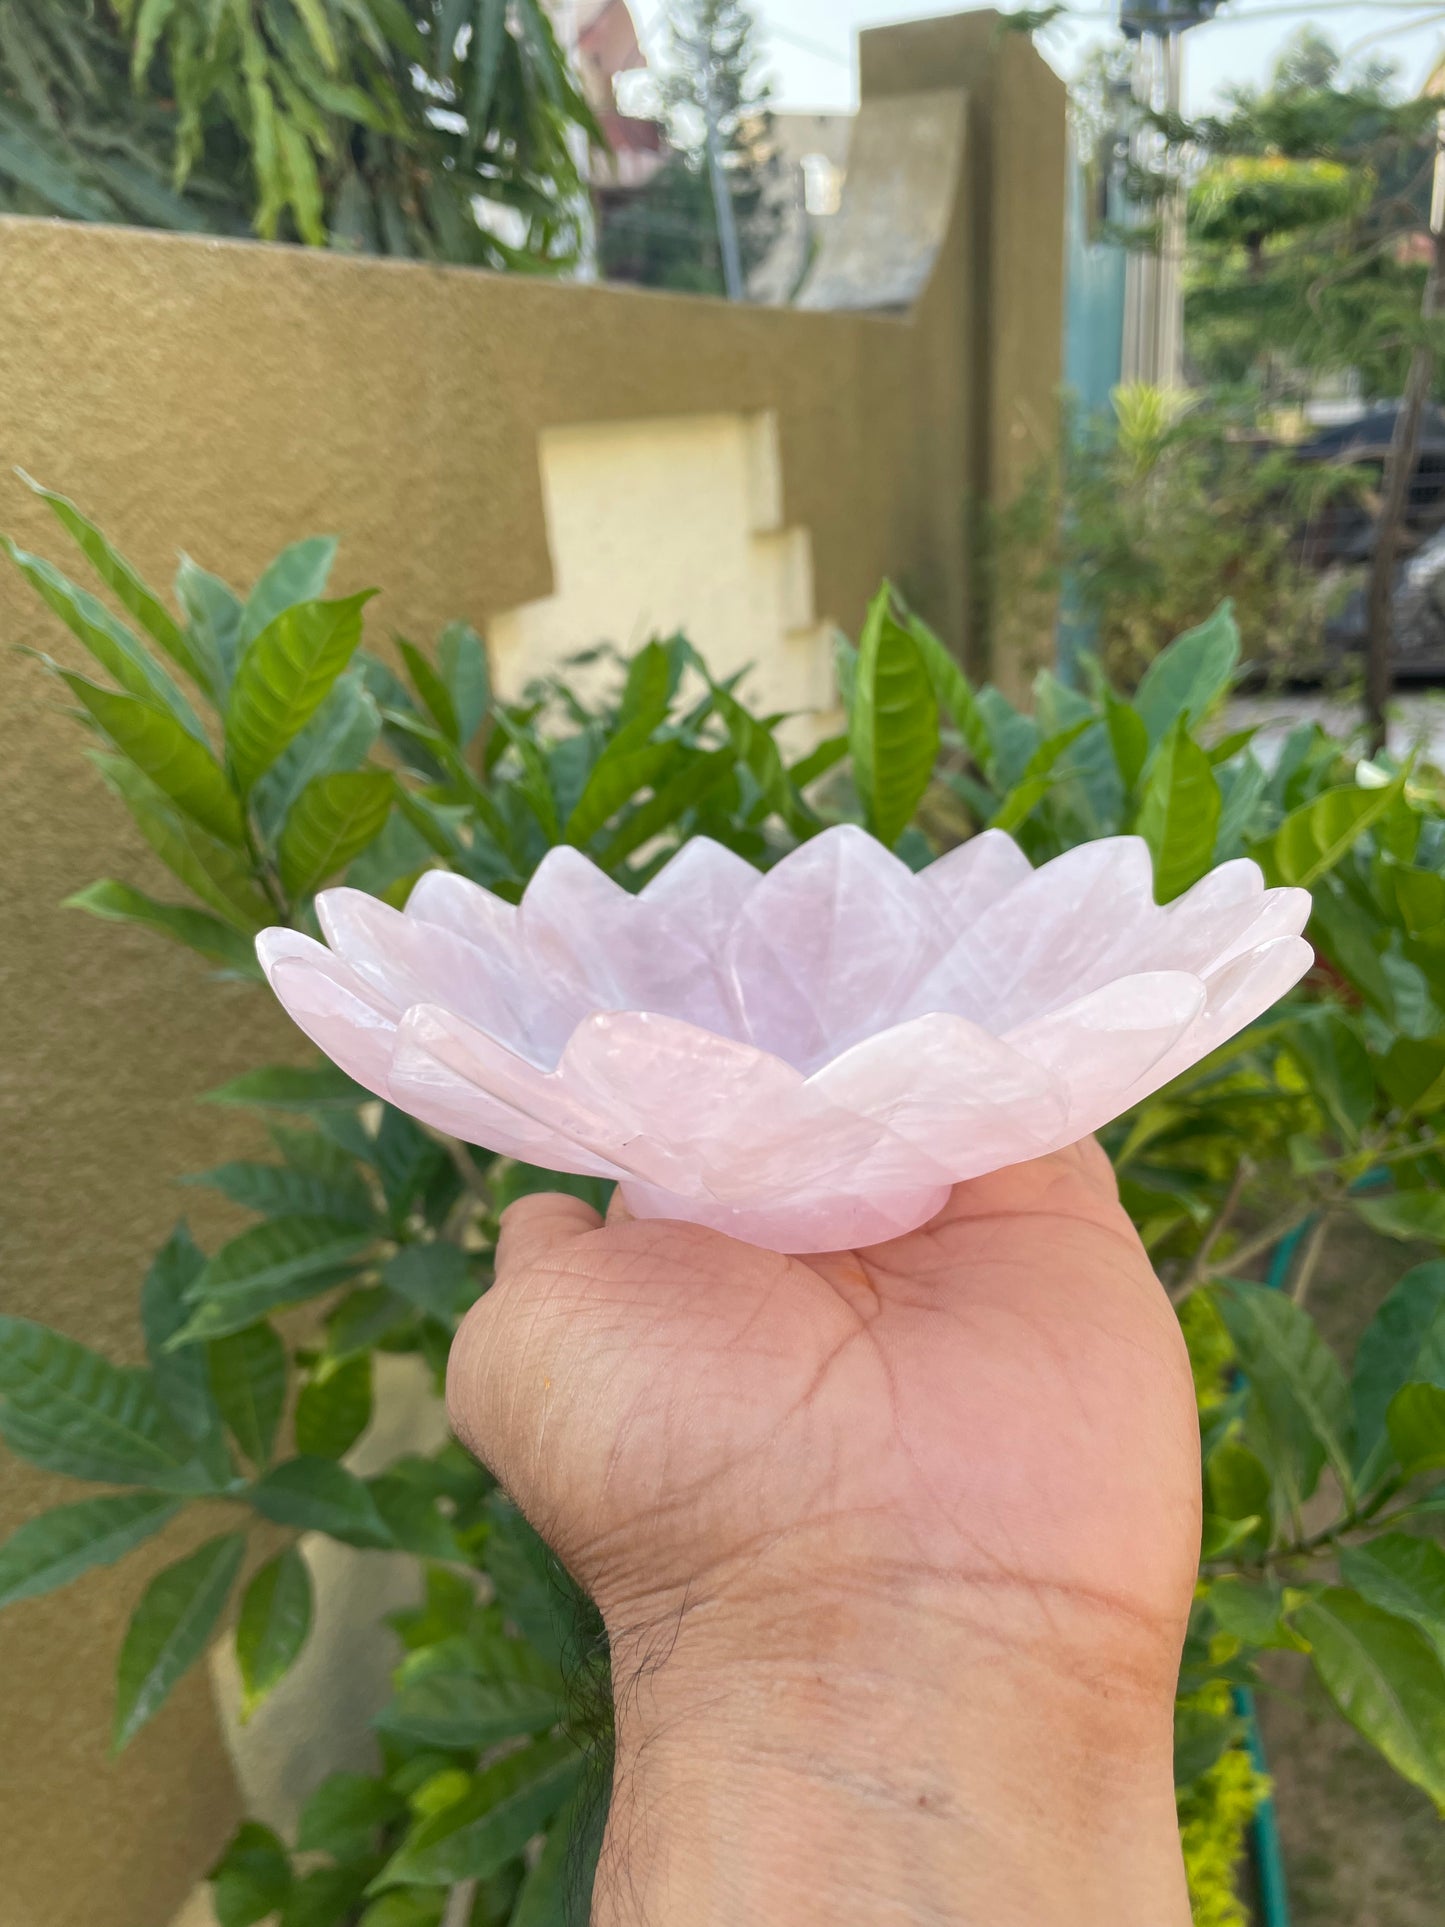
point(895, 1549)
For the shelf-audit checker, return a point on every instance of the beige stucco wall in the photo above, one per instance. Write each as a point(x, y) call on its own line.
point(555, 463)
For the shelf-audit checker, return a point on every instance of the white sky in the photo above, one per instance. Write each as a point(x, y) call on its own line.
point(809, 43)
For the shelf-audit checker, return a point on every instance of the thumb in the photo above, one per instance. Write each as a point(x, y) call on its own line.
point(502, 1356)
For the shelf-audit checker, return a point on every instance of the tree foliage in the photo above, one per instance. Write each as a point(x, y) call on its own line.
point(371, 125)
point(1328, 1108)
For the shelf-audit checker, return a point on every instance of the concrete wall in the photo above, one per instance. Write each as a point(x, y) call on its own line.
point(555, 463)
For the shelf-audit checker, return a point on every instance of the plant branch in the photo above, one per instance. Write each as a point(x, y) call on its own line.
point(1198, 1270)
point(1310, 1257)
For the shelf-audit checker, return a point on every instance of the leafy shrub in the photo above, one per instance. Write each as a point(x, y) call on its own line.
point(262, 753)
point(1150, 516)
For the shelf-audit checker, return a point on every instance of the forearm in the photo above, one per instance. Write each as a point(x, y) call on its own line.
point(920, 1774)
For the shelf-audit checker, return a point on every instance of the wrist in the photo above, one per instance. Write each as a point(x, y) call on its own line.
point(936, 1756)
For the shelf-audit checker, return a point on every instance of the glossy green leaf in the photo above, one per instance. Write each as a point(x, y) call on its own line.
point(276, 1263)
point(171, 1628)
point(248, 1375)
point(1184, 682)
point(1313, 838)
point(57, 1547)
point(462, 663)
point(1039, 775)
point(332, 821)
point(893, 724)
point(252, 1878)
point(326, 1896)
point(1332, 1055)
point(273, 1626)
point(1412, 1071)
point(409, 1907)
point(1411, 1215)
point(289, 1190)
point(221, 943)
point(1402, 1575)
point(340, 736)
point(164, 750)
point(436, 1278)
point(133, 595)
point(298, 574)
point(317, 1495)
point(292, 1087)
point(342, 1816)
point(284, 676)
point(546, 1891)
point(1415, 1423)
point(953, 692)
point(1179, 812)
point(1295, 1379)
point(668, 805)
point(213, 622)
point(476, 1836)
point(1387, 1680)
point(431, 686)
point(629, 764)
point(1128, 738)
point(1404, 1342)
point(114, 647)
point(414, 1519)
point(69, 1410)
point(334, 1408)
point(216, 872)
point(458, 1710)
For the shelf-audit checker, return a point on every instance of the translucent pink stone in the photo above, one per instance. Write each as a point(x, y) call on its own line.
point(805, 1059)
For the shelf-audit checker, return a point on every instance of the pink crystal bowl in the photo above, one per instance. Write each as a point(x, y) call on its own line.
point(806, 1059)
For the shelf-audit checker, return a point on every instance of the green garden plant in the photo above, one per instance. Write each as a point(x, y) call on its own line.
point(263, 754)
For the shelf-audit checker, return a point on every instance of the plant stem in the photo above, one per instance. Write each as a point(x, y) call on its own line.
point(1310, 1257)
point(1198, 1269)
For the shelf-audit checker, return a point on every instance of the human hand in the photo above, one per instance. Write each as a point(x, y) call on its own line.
point(895, 1550)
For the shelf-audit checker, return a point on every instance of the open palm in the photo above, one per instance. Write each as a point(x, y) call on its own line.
point(997, 1406)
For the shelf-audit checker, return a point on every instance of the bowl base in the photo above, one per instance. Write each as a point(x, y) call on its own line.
point(847, 1222)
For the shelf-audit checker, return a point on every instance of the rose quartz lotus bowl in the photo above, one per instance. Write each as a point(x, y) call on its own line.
point(806, 1059)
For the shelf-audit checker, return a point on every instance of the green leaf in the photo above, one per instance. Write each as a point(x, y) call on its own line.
point(291, 1190)
point(317, 1495)
point(284, 676)
point(1202, 1735)
point(413, 1518)
point(1179, 812)
point(60, 1545)
point(628, 764)
point(276, 1263)
point(545, 1893)
point(1412, 1071)
point(1128, 738)
point(477, 1835)
point(1411, 1215)
point(459, 1710)
point(1037, 778)
point(1337, 1068)
point(164, 750)
point(170, 1629)
point(1401, 1575)
point(1387, 1680)
point(298, 574)
point(462, 661)
point(411, 1907)
point(334, 1408)
point(69, 1410)
point(327, 1896)
point(179, 1377)
point(1295, 1380)
point(340, 736)
point(117, 651)
point(1249, 1610)
point(292, 1087)
point(252, 1878)
point(1312, 839)
point(198, 930)
point(274, 1623)
point(1415, 1422)
point(952, 692)
point(342, 1816)
point(332, 821)
point(1184, 681)
point(150, 23)
point(213, 623)
point(248, 1374)
point(1405, 1341)
point(119, 577)
point(432, 689)
point(436, 1278)
point(893, 726)
point(667, 805)
point(216, 872)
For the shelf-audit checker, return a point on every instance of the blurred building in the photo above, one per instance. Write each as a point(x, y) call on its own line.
point(809, 153)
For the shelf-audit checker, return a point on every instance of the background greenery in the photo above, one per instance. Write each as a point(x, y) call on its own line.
point(262, 753)
point(372, 125)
